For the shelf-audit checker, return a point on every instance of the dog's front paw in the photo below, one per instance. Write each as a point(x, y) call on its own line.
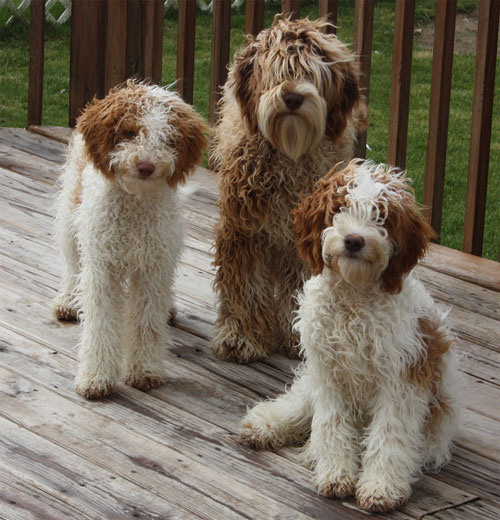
point(91, 387)
point(380, 495)
point(65, 313)
point(335, 481)
point(145, 380)
point(237, 348)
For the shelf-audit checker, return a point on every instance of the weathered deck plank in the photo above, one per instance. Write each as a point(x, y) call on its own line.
point(127, 449)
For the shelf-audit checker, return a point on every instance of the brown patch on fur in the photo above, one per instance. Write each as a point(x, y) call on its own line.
point(410, 233)
point(316, 213)
point(189, 141)
point(428, 371)
point(105, 122)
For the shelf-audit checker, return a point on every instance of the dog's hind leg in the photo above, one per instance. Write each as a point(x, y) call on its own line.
point(64, 304)
point(281, 421)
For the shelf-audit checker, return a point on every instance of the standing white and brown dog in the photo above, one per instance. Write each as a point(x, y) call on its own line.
point(378, 385)
point(291, 108)
point(119, 227)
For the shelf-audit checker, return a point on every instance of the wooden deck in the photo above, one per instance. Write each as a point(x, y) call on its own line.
point(174, 452)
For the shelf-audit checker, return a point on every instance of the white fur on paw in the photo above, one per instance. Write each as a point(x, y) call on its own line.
point(94, 388)
point(380, 495)
point(145, 380)
point(335, 479)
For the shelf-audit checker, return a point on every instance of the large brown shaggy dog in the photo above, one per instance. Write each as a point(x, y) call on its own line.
point(290, 110)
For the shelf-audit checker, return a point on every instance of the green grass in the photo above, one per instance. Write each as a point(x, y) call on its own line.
point(13, 86)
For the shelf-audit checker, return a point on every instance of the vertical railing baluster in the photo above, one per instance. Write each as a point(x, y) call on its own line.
point(186, 32)
point(37, 47)
point(482, 112)
point(400, 83)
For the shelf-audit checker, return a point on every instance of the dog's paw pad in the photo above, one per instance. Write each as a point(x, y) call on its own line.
point(93, 389)
point(391, 498)
point(145, 381)
point(64, 313)
point(239, 349)
point(340, 488)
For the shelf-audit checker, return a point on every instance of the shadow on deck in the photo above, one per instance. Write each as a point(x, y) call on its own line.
point(174, 452)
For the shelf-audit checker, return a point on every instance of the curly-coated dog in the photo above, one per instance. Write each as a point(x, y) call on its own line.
point(377, 389)
point(291, 109)
point(119, 227)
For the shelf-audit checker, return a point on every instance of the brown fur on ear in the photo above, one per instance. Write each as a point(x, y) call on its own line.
point(316, 213)
point(345, 96)
point(106, 121)
point(190, 141)
point(242, 74)
point(410, 233)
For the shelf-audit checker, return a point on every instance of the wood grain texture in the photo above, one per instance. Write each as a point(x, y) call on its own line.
point(186, 32)
point(221, 29)
point(482, 113)
point(116, 43)
point(174, 452)
point(442, 61)
point(400, 83)
point(36, 66)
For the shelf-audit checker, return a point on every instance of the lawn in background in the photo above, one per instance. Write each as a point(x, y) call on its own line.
point(14, 62)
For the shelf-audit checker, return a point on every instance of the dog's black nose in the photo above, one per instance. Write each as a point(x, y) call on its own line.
point(353, 243)
point(145, 168)
point(293, 100)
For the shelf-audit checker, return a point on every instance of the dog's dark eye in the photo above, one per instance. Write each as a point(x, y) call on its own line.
point(129, 134)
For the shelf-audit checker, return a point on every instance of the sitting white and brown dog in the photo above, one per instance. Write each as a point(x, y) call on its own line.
point(377, 388)
point(119, 227)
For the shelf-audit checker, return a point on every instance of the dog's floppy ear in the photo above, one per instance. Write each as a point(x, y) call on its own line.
point(410, 234)
point(97, 126)
point(189, 140)
point(315, 214)
point(242, 75)
point(345, 94)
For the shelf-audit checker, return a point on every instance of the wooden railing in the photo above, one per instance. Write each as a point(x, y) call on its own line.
point(112, 40)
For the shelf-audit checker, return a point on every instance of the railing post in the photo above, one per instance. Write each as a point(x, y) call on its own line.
point(37, 44)
point(291, 8)
point(254, 17)
point(330, 9)
point(442, 61)
point(221, 32)
point(482, 111)
point(363, 37)
point(400, 83)
point(186, 32)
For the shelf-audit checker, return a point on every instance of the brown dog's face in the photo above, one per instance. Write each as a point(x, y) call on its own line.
point(363, 223)
point(142, 135)
point(295, 84)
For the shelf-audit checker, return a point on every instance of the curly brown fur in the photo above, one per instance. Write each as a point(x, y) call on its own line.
point(269, 153)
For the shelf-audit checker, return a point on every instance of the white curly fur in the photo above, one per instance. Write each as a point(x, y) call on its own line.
point(372, 425)
point(121, 236)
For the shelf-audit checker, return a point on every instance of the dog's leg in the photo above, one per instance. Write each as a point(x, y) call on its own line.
point(64, 304)
point(245, 325)
point(394, 447)
point(333, 448)
point(441, 425)
point(147, 328)
point(100, 348)
point(281, 421)
point(289, 272)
